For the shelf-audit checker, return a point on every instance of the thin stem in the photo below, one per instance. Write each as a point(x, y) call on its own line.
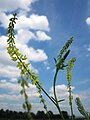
point(46, 93)
point(55, 84)
point(55, 103)
point(70, 99)
point(55, 96)
point(38, 83)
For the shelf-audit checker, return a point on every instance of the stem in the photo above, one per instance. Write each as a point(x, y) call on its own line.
point(46, 93)
point(70, 99)
point(55, 96)
point(39, 84)
point(55, 84)
point(55, 103)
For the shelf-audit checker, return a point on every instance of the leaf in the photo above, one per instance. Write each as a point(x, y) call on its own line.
point(24, 106)
point(22, 83)
point(42, 100)
point(26, 83)
point(22, 91)
point(27, 64)
point(24, 57)
point(14, 58)
point(40, 96)
point(61, 100)
point(19, 81)
point(31, 78)
point(55, 60)
point(29, 107)
point(35, 81)
point(26, 97)
point(26, 76)
point(66, 54)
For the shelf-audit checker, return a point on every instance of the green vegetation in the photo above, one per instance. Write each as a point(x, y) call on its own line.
point(70, 64)
point(27, 74)
point(82, 110)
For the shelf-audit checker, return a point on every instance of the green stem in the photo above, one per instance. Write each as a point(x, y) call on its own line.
point(55, 96)
point(55, 103)
point(70, 99)
point(55, 84)
point(39, 84)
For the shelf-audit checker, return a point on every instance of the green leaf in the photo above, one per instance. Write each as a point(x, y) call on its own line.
point(29, 107)
point(14, 58)
point(61, 100)
point(31, 78)
point(42, 100)
point(22, 83)
point(35, 81)
point(26, 76)
point(40, 96)
point(24, 58)
point(24, 106)
point(26, 83)
point(26, 97)
point(19, 81)
point(22, 91)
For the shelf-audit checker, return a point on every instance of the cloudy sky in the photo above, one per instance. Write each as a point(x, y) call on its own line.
point(42, 29)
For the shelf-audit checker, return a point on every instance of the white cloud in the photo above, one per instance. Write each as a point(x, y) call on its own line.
point(3, 105)
point(25, 23)
point(13, 80)
point(3, 43)
point(5, 59)
point(88, 48)
point(88, 21)
point(7, 66)
point(9, 71)
point(10, 97)
point(61, 91)
point(14, 88)
point(39, 22)
point(85, 99)
point(42, 36)
point(4, 19)
point(15, 4)
point(48, 68)
point(24, 36)
point(34, 22)
point(32, 54)
point(18, 107)
point(11, 106)
point(46, 64)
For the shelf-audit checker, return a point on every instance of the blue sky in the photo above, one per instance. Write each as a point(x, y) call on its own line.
point(42, 29)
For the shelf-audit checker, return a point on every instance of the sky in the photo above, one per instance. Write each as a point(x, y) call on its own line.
point(42, 28)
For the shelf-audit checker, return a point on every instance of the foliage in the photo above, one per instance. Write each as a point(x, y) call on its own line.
point(27, 74)
point(70, 64)
point(16, 56)
point(60, 65)
point(81, 109)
